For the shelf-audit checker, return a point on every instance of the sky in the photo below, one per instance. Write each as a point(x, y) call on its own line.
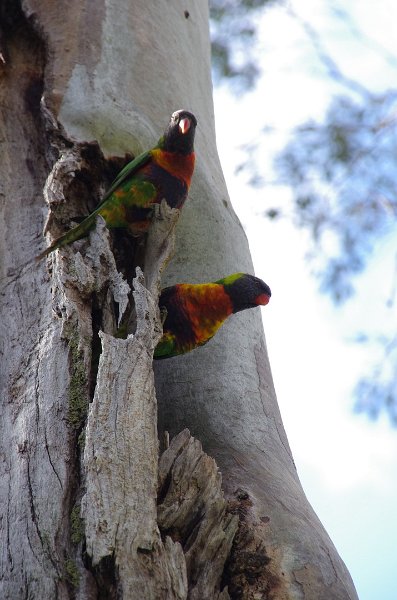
point(347, 463)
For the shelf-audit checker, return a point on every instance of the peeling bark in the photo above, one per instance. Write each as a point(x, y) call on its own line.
point(120, 459)
point(121, 449)
point(193, 510)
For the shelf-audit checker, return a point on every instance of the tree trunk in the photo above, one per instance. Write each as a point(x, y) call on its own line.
point(82, 81)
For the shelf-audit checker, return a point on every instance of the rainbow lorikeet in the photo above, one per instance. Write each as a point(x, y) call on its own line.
point(195, 312)
point(165, 171)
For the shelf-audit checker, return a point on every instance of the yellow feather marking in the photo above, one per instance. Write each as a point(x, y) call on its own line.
point(230, 278)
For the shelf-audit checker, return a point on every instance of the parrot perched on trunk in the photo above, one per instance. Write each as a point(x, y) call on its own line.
point(163, 172)
point(195, 312)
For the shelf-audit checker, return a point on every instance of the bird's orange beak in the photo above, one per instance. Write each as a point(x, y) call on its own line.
point(262, 299)
point(184, 125)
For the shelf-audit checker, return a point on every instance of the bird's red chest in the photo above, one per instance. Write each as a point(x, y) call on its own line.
point(177, 165)
point(207, 307)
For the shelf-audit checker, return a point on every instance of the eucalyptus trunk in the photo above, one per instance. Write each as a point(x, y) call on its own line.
point(87, 511)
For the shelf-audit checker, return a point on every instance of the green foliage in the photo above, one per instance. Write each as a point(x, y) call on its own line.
point(344, 185)
point(341, 171)
point(377, 391)
point(233, 26)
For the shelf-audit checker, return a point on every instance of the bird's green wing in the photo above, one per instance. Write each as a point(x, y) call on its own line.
point(88, 223)
point(129, 169)
point(166, 347)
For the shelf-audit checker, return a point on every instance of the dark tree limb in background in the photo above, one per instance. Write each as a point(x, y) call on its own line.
point(233, 25)
point(84, 81)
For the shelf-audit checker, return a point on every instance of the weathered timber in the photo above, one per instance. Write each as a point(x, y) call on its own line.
point(192, 509)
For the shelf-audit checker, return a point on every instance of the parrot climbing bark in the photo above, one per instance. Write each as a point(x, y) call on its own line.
point(165, 171)
point(193, 313)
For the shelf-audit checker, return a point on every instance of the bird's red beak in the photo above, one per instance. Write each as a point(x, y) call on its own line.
point(262, 299)
point(184, 125)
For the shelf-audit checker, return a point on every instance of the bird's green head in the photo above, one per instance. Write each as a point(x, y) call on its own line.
point(246, 291)
point(179, 135)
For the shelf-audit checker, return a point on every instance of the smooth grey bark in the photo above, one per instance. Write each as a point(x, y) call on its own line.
point(112, 72)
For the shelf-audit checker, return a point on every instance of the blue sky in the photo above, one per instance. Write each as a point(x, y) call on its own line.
point(347, 464)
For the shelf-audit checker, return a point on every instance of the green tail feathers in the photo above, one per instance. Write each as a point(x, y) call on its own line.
point(73, 235)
